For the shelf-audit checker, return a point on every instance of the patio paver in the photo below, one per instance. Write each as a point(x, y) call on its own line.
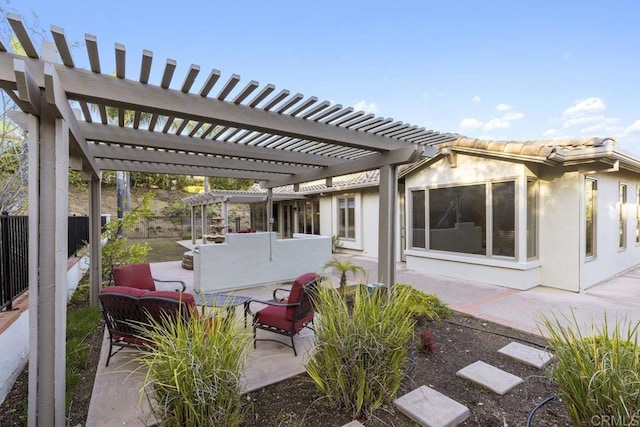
point(430, 408)
point(495, 379)
point(526, 354)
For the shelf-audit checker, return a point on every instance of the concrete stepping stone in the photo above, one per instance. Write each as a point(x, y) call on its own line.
point(354, 423)
point(495, 379)
point(430, 408)
point(527, 355)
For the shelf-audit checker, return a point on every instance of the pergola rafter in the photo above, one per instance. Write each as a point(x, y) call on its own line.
point(219, 127)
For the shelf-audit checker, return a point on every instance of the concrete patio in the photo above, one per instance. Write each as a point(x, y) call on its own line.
point(116, 398)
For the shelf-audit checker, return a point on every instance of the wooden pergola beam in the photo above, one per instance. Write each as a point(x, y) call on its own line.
point(373, 161)
point(189, 159)
point(167, 141)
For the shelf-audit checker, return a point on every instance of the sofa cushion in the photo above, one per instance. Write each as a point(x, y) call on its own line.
point(274, 316)
point(162, 303)
point(296, 290)
point(134, 276)
point(184, 297)
point(124, 290)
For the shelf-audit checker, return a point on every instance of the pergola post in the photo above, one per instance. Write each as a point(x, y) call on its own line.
point(387, 227)
point(95, 248)
point(48, 204)
point(203, 222)
point(193, 225)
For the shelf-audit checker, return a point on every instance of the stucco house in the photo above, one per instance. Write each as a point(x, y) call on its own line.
point(560, 213)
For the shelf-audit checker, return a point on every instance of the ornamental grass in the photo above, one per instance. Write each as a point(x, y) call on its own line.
point(598, 375)
point(360, 350)
point(194, 370)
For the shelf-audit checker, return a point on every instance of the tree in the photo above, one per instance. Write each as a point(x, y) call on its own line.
point(13, 147)
point(117, 251)
point(222, 183)
point(342, 267)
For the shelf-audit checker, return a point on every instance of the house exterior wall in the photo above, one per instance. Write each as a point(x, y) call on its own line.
point(369, 222)
point(560, 236)
point(609, 259)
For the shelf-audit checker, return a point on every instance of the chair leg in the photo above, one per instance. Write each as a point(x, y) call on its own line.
point(293, 346)
point(254, 335)
point(110, 352)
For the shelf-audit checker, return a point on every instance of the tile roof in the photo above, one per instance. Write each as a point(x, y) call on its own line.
point(544, 148)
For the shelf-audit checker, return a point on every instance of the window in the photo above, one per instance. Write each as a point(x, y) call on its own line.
point(503, 209)
point(464, 219)
point(458, 218)
point(308, 217)
point(638, 214)
point(623, 217)
point(418, 231)
point(532, 218)
point(591, 205)
point(346, 217)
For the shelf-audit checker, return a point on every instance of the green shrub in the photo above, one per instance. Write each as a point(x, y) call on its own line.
point(361, 350)
point(423, 305)
point(117, 251)
point(598, 376)
point(193, 372)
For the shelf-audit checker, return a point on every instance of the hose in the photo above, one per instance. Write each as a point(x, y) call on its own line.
point(497, 333)
point(538, 406)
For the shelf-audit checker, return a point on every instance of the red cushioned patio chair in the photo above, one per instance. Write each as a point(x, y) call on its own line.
point(287, 317)
point(139, 276)
point(126, 310)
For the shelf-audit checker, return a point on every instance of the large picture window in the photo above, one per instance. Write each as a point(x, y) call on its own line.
point(346, 217)
point(464, 219)
point(591, 204)
point(458, 218)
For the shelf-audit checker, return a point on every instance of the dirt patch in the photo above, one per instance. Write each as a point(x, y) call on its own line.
point(461, 340)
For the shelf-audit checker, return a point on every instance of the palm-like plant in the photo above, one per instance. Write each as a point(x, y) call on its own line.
point(343, 266)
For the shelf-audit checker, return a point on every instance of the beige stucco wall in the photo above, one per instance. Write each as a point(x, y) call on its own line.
point(560, 237)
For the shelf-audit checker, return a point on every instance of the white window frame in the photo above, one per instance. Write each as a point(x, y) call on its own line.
point(623, 198)
point(594, 219)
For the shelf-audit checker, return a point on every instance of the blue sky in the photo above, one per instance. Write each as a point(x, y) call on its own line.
point(486, 69)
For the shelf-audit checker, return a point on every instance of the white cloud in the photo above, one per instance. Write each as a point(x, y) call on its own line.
point(499, 123)
point(576, 121)
point(471, 123)
point(367, 107)
point(476, 99)
point(635, 127)
point(552, 133)
point(503, 107)
point(585, 107)
point(512, 115)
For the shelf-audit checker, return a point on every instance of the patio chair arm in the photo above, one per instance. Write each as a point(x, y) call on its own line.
point(184, 285)
point(274, 303)
point(276, 297)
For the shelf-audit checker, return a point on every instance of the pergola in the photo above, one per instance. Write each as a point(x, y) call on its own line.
point(217, 128)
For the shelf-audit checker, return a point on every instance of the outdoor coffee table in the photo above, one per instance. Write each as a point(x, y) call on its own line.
point(230, 302)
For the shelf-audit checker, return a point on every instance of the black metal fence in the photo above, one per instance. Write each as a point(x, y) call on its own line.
point(178, 227)
point(14, 252)
point(14, 258)
point(77, 233)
